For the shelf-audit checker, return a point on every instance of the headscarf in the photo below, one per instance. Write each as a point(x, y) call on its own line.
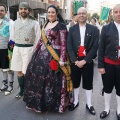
point(26, 5)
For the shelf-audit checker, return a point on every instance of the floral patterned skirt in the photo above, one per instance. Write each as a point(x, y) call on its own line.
point(45, 90)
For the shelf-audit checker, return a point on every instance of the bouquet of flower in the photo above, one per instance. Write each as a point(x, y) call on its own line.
point(11, 45)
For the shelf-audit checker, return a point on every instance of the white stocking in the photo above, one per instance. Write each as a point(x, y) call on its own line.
point(4, 74)
point(76, 94)
point(10, 76)
point(107, 98)
point(118, 104)
point(88, 97)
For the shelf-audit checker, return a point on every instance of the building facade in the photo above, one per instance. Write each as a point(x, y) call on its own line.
point(3, 2)
point(39, 6)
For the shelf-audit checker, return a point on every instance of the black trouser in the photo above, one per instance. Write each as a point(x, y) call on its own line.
point(111, 78)
point(4, 62)
point(87, 75)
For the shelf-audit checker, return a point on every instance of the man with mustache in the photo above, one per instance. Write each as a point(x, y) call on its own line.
point(26, 34)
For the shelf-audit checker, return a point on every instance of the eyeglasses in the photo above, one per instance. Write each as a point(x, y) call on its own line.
point(82, 13)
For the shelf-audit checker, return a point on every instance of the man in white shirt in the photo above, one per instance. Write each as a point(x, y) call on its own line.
point(6, 34)
point(26, 34)
point(82, 45)
point(109, 61)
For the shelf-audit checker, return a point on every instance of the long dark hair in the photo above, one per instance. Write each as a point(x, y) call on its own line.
point(60, 18)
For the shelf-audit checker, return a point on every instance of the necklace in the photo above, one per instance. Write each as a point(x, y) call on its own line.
point(52, 21)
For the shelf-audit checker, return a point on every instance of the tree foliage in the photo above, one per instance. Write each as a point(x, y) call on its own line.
point(96, 16)
point(89, 17)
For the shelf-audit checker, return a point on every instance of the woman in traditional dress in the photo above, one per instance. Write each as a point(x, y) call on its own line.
point(47, 79)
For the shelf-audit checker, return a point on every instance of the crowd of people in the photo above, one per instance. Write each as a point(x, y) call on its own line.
point(51, 62)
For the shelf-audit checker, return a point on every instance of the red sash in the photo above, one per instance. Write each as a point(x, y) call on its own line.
point(107, 60)
point(81, 51)
point(112, 62)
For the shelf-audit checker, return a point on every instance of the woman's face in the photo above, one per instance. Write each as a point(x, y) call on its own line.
point(51, 14)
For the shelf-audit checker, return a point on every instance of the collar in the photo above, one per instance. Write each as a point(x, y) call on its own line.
point(1, 20)
point(23, 20)
point(75, 22)
point(117, 25)
point(82, 25)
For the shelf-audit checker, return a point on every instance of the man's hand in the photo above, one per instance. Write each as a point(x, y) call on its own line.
point(76, 62)
point(102, 70)
point(9, 57)
point(81, 63)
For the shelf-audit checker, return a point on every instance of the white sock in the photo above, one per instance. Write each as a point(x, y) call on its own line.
point(107, 98)
point(88, 97)
point(118, 104)
point(76, 94)
point(10, 76)
point(4, 75)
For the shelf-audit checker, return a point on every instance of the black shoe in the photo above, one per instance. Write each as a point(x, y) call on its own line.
point(91, 109)
point(72, 106)
point(118, 116)
point(104, 114)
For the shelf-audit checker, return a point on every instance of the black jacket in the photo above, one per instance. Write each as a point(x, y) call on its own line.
point(90, 42)
point(109, 42)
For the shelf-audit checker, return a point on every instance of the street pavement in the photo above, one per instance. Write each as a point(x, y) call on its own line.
point(12, 109)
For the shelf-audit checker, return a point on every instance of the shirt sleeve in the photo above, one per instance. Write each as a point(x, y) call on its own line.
point(11, 29)
point(37, 34)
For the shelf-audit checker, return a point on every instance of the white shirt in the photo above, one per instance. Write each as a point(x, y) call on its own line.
point(11, 28)
point(82, 34)
point(1, 21)
point(118, 28)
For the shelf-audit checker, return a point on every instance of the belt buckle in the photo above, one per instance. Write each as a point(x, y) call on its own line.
point(26, 39)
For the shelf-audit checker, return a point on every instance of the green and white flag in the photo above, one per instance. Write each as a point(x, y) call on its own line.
point(104, 13)
point(77, 5)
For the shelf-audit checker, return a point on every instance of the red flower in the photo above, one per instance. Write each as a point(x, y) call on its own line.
point(54, 65)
